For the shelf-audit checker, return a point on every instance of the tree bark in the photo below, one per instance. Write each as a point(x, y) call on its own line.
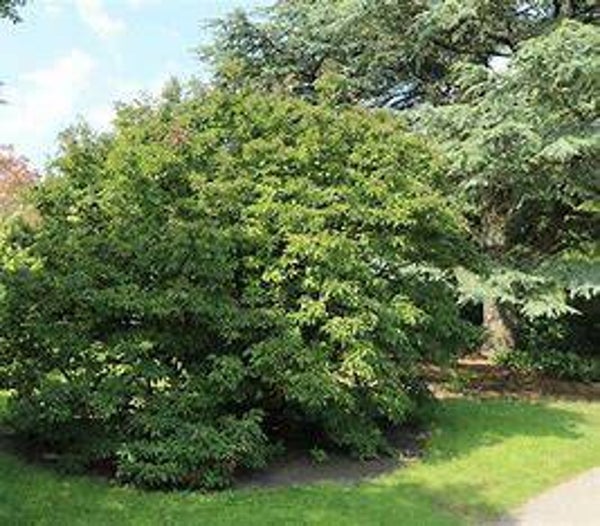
point(568, 9)
point(499, 331)
point(563, 9)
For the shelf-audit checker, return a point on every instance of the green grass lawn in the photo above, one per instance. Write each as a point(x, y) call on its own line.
point(485, 457)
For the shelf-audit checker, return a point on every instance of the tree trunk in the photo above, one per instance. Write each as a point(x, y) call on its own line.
point(499, 332)
point(568, 9)
point(563, 9)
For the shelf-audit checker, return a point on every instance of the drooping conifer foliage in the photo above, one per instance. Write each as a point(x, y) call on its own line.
point(387, 52)
point(9, 9)
point(523, 148)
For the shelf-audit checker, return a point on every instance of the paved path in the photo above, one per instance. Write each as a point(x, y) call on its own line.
point(574, 503)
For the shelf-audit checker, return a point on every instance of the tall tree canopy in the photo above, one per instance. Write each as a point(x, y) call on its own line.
point(394, 52)
point(9, 9)
point(523, 147)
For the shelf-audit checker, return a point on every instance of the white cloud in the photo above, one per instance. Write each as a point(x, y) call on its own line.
point(137, 4)
point(100, 117)
point(43, 101)
point(97, 18)
point(53, 90)
point(52, 7)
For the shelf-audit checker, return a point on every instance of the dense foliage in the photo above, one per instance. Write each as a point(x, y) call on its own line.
point(387, 52)
point(562, 365)
point(523, 149)
point(220, 271)
point(510, 91)
point(523, 145)
point(566, 348)
point(16, 179)
point(9, 9)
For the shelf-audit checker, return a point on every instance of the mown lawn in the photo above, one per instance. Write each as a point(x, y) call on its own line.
point(485, 457)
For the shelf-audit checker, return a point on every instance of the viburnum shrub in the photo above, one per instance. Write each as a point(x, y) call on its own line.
point(218, 269)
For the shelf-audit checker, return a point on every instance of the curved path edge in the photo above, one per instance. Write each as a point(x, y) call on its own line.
point(573, 503)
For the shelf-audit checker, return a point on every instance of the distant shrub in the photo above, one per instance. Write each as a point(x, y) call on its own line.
point(578, 332)
point(552, 363)
point(566, 348)
point(220, 265)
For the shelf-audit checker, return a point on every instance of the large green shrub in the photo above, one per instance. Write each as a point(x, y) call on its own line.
point(222, 269)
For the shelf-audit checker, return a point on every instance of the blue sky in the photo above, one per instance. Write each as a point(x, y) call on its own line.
point(71, 58)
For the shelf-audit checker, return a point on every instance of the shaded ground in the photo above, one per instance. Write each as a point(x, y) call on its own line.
point(475, 376)
point(302, 469)
point(574, 503)
point(298, 467)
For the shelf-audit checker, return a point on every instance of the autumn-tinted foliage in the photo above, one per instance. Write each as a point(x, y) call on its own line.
point(221, 269)
point(15, 177)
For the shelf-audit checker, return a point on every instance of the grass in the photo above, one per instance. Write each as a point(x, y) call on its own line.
point(484, 458)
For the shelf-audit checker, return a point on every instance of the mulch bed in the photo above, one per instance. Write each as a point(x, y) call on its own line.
point(477, 376)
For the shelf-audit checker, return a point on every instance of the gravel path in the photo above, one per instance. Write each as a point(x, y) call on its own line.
point(574, 503)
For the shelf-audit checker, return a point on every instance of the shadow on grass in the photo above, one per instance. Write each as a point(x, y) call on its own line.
point(28, 498)
point(466, 424)
point(429, 493)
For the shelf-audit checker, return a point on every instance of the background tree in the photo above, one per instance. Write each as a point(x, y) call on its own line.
point(9, 9)
point(395, 53)
point(15, 177)
point(524, 148)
